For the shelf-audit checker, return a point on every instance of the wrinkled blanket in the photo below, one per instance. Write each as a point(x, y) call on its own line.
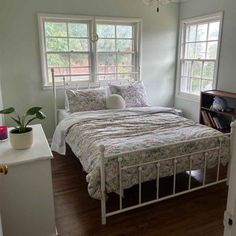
point(135, 129)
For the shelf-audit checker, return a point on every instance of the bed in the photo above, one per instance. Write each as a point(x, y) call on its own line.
point(121, 148)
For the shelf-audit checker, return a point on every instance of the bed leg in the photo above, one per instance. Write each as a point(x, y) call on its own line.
point(103, 186)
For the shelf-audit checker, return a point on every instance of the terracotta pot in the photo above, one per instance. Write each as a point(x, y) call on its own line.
point(21, 140)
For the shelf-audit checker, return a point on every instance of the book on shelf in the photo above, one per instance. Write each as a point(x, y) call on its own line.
point(218, 126)
point(206, 119)
point(211, 119)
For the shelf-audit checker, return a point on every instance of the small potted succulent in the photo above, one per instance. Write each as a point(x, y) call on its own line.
point(21, 137)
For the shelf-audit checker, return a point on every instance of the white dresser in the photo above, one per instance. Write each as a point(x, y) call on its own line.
point(26, 194)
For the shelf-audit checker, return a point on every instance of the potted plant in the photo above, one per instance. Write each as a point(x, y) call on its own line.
point(21, 137)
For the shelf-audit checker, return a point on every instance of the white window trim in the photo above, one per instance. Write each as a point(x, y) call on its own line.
point(93, 19)
point(220, 16)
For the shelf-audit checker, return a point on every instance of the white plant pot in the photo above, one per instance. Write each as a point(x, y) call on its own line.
point(21, 140)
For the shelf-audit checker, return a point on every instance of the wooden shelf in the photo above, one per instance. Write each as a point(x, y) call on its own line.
point(230, 114)
point(216, 118)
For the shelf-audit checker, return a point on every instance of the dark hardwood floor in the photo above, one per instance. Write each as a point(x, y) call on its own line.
point(197, 214)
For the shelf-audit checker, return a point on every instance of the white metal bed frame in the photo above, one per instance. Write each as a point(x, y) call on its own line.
point(158, 165)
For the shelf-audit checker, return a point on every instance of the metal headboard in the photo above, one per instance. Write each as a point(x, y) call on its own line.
point(65, 86)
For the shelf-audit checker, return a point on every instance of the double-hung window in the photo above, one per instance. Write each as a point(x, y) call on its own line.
point(199, 55)
point(89, 49)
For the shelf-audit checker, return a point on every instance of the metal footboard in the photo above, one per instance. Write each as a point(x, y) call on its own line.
point(158, 165)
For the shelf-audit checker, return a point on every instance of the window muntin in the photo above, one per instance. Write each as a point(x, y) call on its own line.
point(116, 51)
point(67, 49)
point(199, 55)
point(68, 46)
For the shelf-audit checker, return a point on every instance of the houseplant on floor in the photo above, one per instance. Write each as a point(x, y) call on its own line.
point(21, 137)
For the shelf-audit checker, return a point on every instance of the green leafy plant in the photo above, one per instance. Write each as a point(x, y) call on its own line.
point(23, 121)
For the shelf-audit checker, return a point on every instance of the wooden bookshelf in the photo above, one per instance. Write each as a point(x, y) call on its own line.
point(219, 120)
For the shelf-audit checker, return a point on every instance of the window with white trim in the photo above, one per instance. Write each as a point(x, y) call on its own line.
point(89, 49)
point(199, 55)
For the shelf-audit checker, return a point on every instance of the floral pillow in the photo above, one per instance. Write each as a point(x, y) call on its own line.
point(86, 100)
point(133, 94)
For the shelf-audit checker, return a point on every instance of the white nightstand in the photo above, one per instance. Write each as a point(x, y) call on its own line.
point(26, 194)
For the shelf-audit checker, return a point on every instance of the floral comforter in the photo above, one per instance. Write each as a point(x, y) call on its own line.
point(135, 129)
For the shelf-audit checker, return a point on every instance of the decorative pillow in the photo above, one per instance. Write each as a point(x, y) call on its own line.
point(115, 101)
point(86, 100)
point(133, 94)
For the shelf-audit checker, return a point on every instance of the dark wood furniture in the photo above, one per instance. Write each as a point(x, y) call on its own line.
point(217, 119)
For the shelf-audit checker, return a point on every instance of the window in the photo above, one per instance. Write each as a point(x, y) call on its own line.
point(199, 53)
point(89, 49)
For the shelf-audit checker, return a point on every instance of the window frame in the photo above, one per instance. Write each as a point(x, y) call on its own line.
point(181, 50)
point(92, 22)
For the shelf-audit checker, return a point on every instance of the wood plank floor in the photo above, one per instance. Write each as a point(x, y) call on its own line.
point(195, 214)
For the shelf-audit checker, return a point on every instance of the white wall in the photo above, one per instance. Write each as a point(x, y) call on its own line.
point(227, 67)
point(1, 104)
point(20, 57)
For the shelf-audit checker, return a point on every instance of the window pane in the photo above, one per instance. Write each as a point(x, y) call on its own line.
point(208, 70)
point(78, 60)
point(195, 86)
point(106, 69)
point(207, 85)
point(190, 51)
point(106, 45)
point(197, 69)
point(186, 68)
point(125, 45)
point(126, 77)
point(55, 29)
point(62, 71)
point(78, 30)
point(124, 60)
point(124, 69)
point(58, 79)
point(79, 70)
point(106, 77)
point(80, 45)
point(200, 51)
point(107, 59)
point(184, 84)
point(58, 60)
point(191, 33)
point(106, 31)
point(56, 45)
point(214, 29)
point(79, 78)
point(212, 50)
point(124, 31)
point(202, 32)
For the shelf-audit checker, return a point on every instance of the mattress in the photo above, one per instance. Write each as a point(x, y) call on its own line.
point(122, 131)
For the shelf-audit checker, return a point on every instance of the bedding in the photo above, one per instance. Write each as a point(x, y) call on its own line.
point(135, 129)
point(86, 100)
point(62, 114)
point(133, 94)
point(115, 101)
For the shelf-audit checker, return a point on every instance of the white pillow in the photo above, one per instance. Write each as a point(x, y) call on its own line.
point(115, 101)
